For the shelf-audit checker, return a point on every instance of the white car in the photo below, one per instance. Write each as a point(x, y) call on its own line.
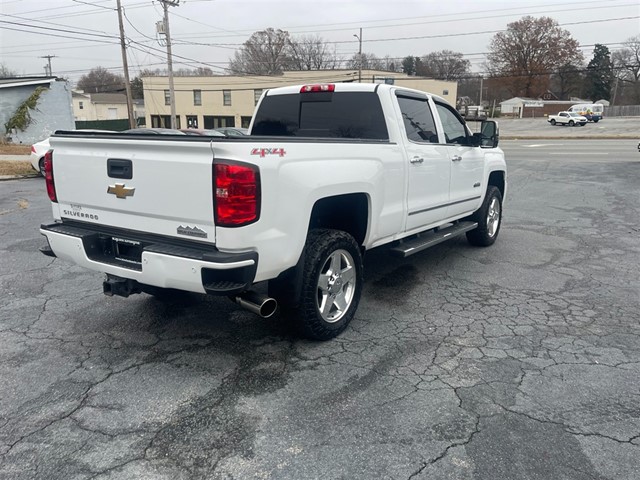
point(39, 149)
point(37, 155)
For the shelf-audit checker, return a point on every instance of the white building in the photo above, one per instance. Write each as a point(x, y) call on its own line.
point(51, 99)
point(229, 101)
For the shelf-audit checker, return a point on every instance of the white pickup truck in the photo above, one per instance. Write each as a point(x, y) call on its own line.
point(567, 118)
point(327, 172)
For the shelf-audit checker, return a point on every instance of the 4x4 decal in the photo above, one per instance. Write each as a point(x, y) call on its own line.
point(263, 152)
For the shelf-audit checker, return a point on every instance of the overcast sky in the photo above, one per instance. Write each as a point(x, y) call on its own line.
point(83, 34)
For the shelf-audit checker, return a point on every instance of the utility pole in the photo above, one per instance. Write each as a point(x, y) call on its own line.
point(125, 65)
point(615, 92)
point(480, 100)
point(172, 94)
point(359, 55)
point(48, 70)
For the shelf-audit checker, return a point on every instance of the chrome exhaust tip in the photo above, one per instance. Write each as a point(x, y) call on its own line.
point(257, 303)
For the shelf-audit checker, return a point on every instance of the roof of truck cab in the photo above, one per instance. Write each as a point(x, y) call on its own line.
point(352, 87)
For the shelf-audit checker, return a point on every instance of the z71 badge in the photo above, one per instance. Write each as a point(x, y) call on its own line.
point(191, 231)
point(263, 152)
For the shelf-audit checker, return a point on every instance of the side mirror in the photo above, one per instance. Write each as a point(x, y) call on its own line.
point(489, 134)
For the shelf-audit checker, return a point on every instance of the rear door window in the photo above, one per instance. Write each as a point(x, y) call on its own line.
point(418, 119)
point(323, 115)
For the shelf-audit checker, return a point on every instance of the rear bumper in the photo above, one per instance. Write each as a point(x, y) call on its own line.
point(152, 260)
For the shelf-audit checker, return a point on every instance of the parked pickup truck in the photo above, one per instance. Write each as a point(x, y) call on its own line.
point(567, 118)
point(284, 214)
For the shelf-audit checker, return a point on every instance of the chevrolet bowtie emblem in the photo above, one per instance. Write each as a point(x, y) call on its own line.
point(120, 191)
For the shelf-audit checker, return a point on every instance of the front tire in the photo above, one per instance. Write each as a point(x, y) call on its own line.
point(489, 218)
point(553, 122)
point(571, 123)
point(331, 283)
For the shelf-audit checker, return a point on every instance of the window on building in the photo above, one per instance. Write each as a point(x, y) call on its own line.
point(445, 92)
point(167, 97)
point(197, 97)
point(192, 121)
point(256, 96)
point(163, 121)
point(80, 105)
point(245, 122)
point(226, 98)
point(217, 121)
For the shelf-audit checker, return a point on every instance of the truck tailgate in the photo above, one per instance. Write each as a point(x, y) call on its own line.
point(168, 190)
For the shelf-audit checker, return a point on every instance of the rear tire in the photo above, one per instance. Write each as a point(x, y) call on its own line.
point(332, 281)
point(571, 123)
point(41, 166)
point(489, 218)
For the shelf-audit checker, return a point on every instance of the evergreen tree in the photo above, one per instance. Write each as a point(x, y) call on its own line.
point(409, 65)
point(599, 77)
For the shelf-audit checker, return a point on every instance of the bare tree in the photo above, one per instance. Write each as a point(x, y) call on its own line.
point(525, 55)
point(311, 52)
point(443, 65)
point(101, 80)
point(265, 53)
point(6, 72)
point(626, 64)
point(568, 80)
point(369, 62)
point(389, 64)
point(194, 72)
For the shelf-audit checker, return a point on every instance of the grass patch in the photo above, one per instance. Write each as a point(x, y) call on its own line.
point(8, 167)
point(14, 149)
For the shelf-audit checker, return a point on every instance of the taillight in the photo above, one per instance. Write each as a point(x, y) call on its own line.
point(33, 149)
point(48, 175)
point(327, 87)
point(236, 194)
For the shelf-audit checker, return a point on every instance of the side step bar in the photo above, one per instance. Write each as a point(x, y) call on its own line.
point(431, 238)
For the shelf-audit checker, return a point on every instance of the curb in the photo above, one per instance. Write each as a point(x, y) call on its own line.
point(18, 177)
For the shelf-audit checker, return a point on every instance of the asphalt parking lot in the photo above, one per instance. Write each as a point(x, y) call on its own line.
point(518, 361)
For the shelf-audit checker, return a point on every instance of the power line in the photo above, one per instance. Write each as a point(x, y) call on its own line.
point(48, 34)
point(317, 28)
point(444, 35)
point(57, 29)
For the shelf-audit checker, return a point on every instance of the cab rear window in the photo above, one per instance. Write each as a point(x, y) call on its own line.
point(322, 115)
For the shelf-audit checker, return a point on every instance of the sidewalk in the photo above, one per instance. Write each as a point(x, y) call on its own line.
point(16, 158)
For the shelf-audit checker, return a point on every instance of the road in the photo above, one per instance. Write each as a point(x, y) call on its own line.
point(610, 127)
point(518, 361)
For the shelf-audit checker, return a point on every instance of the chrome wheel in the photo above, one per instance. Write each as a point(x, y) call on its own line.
point(493, 217)
point(336, 286)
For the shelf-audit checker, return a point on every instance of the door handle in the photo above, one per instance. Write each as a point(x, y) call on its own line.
point(417, 160)
point(456, 158)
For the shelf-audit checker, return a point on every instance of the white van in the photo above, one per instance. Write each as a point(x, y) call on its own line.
point(593, 111)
